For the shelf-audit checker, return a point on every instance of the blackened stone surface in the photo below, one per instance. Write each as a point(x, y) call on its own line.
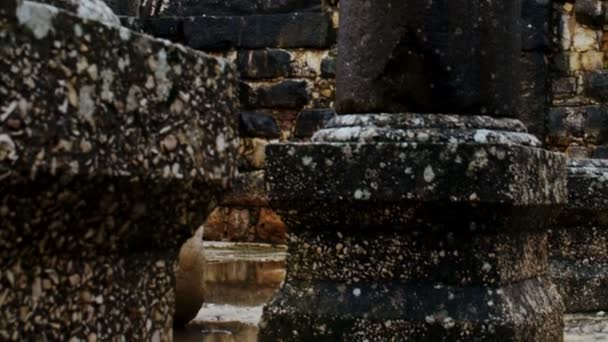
point(416, 226)
point(301, 30)
point(292, 94)
point(124, 7)
point(590, 12)
point(328, 67)
point(113, 147)
point(601, 152)
point(328, 311)
point(238, 7)
point(579, 262)
point(267, 63)
point(535, 25)
point(311, 120)
point(255, 124)
point(585, 122)
point(533, 105)
point(596, 85)
point(442, 56)
point(170, 28)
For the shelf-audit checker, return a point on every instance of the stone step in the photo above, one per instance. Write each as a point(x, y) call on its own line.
point(242, 273)
point(586, 327)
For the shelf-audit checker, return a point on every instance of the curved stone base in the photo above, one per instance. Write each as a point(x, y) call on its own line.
point(530, 310)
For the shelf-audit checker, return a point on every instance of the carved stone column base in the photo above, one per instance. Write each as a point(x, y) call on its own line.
point(416, 227)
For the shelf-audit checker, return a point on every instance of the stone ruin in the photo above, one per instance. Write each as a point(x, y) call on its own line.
point(439, 167)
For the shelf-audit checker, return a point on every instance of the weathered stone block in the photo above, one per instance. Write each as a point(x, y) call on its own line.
point(328, 67)
point(592, 60)
point(422, 56)
point(369, 248)
point(187, 8)
point(113, 148)
point(254, 124)
point(267, 63)
point(301, 30)
point(596, 85)
point(579, 265)
point(284, 94)
point(311, 120)
point(584, 39)
point(590, 12)
point(584, 122)
point(564, 86)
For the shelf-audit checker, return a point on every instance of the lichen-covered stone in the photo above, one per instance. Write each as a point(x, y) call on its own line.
point(416, 226)
point(113, 148)
point(579, 262)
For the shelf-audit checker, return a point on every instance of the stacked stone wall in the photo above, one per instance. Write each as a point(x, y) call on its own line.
point(577, 120)
point(286, 55)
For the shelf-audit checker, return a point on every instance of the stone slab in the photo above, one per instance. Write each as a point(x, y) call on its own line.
point(113, 148)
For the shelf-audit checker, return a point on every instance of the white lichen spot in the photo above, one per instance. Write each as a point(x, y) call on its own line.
point(481, 136)
point(486, 267)
point(306, 160)
point(124, 33)
point(106, 88)
point(86, 104)
point(220, 143)
point(362, 194)
point(133, 97)
point(38, 18)
point(96, 10)
point(8, 150)
point(78, 30)
point(429, 175)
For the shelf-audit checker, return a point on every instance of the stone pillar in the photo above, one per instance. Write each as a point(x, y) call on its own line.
point(579, 259)
point(113, 148)
point(419, 226)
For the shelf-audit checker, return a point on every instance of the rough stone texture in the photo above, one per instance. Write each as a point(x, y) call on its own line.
point(579, 262)
point(309, 121)
point(254, 124)
point(442, 56)
point(590, 12)
point(597, 85)
point(292, 94)
point(370, 258)
point(96, 10)
point(302, 30)
point(113, 147)
point(188, 8)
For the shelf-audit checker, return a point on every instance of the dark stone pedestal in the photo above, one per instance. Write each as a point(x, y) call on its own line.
point(416, 227)
point(113, 148)
point(579, 246)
